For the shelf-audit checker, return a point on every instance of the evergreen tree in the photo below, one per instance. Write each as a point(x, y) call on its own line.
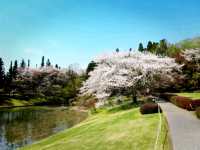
point(42, 63)
point(150, 46)
point(48, 63)
point(141, 48)
point(15, 72)
point(56, 66)
point(28, 63)
point(130, 49)
point(90, 67)
point(162, 50)
point(9, 75)
point(23, 64)
point(2, 73)
point(117, 50)
point(155, 46)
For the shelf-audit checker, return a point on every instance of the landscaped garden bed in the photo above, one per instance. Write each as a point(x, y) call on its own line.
point(189, 101)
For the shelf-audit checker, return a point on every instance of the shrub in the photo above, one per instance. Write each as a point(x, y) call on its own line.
point(185, 102)
point(150, 108)
point(198, 112)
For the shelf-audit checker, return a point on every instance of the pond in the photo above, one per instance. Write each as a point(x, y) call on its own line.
point(25, 125)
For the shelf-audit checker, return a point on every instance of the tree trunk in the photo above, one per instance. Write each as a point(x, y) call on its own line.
point(134, 97)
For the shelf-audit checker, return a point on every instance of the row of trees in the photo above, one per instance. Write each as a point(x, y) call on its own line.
point(162, 48)
point(47, 84)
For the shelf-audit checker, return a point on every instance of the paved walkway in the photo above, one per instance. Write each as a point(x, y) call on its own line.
point(184, 127)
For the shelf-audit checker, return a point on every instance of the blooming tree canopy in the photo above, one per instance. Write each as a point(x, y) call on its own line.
point(192, 54)
point(125, 71)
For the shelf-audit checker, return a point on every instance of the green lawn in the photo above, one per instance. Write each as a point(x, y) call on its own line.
point(108, 130)
point(18, 102)
point(193, 96)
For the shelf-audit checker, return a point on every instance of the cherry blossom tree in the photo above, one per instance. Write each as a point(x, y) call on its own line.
point(192, 54)
point(134, 72)
point(191, 69)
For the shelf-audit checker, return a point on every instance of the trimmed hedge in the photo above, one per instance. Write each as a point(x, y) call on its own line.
point(149, 108)
point(185, 102)
point(198, 112)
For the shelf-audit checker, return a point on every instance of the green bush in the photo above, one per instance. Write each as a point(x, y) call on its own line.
point(198, 112)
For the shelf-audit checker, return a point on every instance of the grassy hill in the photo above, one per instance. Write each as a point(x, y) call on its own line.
point(108, 130)
point(189, 43)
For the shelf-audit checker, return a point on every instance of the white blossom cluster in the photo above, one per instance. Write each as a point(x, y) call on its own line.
point(125, 70)
point(192, 54)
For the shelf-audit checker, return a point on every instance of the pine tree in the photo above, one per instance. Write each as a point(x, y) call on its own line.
point(162, 49)
point(150, 46)
point(141, 48)
point(117, 50)
point(48, 63)
point(155, 46)
point(9, 75)
point(42, 63)
point(130, 49)
point(91, 67)
point(9, 79)
point(23, 64)
point(2, 73)
point(28, 63)
point(15, 71)
point(56, 66)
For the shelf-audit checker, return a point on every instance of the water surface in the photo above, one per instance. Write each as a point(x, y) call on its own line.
point(25, 125)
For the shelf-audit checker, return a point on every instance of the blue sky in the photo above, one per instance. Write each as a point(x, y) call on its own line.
point(74, 31)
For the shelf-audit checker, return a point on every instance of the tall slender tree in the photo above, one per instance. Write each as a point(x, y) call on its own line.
point(29, 63)
point(48, 63)
point(2, 73)
point(56, 66)
point(23, 64)
point(9, 75)
point(15, 71)
point(42, 63)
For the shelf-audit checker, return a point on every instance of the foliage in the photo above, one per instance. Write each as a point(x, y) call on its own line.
point(15, 71)
point(191, 69)
point(198, 112)
point(48, 63)
point(129, 73)
point(47, 84)
point(91, 67)
point(150, 108)
point(2, 73)
point(42, 63)
point(140, 48)
point(185, 102)
point(192, 96)
point(189, 43)
point(123, 130)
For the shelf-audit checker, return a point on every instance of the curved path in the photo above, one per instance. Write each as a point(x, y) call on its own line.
point(184, 127)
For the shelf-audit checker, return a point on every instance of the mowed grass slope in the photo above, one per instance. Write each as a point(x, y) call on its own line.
point(107, 130)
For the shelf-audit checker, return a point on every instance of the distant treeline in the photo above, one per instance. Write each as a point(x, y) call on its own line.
point(46, 84)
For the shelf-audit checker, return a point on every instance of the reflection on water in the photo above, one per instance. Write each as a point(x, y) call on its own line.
point(22, 126)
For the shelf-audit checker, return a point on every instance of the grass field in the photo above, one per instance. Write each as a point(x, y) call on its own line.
point(193, 96)
point(108, 130)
